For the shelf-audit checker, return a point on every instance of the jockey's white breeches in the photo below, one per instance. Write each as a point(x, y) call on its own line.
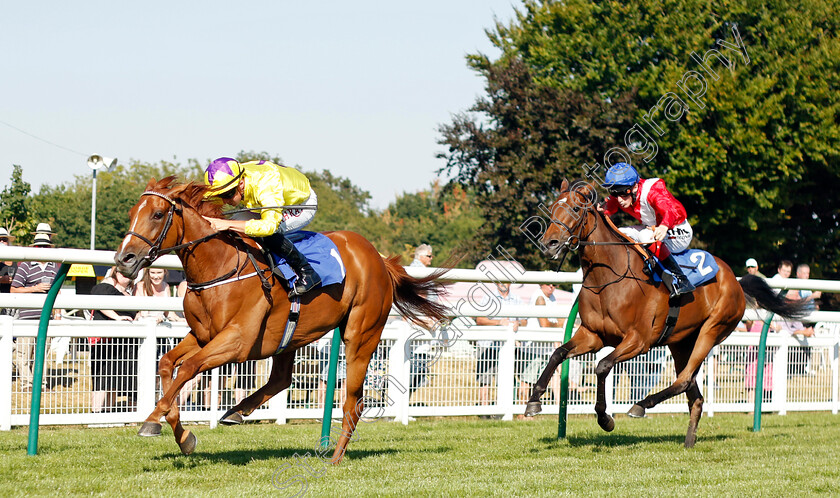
point(676, 240)
point(295, 219)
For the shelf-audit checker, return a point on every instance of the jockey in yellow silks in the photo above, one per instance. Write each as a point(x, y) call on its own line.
point(258, 184)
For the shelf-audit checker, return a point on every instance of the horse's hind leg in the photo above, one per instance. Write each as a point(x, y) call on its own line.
point(695, 410)
point(581, 343)
point(279, 379)
point(359, 350)
point(687, 363)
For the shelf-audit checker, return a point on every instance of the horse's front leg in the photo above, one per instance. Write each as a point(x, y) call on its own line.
point(584, 341)
point(224, 348)
point(630, 347)
point(279, 379)
point(187, 347)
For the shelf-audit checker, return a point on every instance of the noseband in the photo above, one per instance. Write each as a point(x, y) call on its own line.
point(576, 237)
point(155, 247)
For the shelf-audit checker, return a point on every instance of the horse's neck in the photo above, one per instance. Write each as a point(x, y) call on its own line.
point(604, 263)
point(208, 259)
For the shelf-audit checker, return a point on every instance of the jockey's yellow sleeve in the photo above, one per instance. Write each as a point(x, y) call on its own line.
point(268, 184)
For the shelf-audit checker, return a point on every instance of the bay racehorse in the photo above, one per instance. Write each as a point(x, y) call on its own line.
point(243, 319)
point(620, 306)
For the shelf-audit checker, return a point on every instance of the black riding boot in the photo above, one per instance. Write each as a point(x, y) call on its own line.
point(681, 285)
point(307, 277)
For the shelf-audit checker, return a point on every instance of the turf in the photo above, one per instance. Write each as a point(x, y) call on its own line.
point(792, 454)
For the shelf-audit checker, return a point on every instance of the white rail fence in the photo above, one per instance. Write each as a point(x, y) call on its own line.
point(466, 370)
point(413, 378)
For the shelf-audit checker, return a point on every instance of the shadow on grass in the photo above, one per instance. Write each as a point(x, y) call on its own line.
point(618, 440)
point(244, 457)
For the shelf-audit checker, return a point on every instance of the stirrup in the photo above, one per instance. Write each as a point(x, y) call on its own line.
point(304, 284)
point(682, 286)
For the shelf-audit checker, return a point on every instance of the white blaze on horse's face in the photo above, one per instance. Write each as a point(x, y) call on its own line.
point(133, 226)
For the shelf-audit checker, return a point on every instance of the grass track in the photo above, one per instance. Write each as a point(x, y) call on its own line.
point(793, 454)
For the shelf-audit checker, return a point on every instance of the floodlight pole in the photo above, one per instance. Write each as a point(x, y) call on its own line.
point(97, 162)
point(93, 215)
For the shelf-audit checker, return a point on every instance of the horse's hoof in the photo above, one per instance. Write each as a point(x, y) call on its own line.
point(189, 444)
point(606, 422)
point(149, 429)
point(533, 408)
point(636, 411)
point(231, 418)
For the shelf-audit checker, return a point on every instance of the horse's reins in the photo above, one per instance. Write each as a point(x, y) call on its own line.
point(156, 250)
point(573, 243)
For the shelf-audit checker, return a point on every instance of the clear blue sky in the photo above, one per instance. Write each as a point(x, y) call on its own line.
point(358, 88)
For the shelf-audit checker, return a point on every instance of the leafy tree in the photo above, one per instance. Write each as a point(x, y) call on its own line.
point(68, 206)
point(753, 154)
point(442, 217)
point(14, 206)
point(535, 136)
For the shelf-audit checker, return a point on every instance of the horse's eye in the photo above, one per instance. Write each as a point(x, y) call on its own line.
point(158, 215)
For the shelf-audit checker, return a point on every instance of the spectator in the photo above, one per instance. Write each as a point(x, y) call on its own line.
point(752, 268)
point(796, 366)
point(153, 284)
point(31, 278)
point(113, 361)
point(783, 271)
point(803, 271)
point(7, 269)
point(488, 351)
point(420, 352)
point(422, 256)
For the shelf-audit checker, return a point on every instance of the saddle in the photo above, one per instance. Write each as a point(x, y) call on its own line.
point(322, 254)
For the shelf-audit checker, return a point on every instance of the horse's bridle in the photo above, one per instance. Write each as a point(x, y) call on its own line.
point(155, 249)
point(575, 240)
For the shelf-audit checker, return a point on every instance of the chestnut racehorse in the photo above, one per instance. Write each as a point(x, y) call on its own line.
point(620, 306)
point(241, 320)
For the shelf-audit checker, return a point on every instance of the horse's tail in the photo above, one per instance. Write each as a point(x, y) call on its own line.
point(411, 294)
point(767, 298)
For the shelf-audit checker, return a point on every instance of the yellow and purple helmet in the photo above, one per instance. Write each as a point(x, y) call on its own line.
point(222, 175)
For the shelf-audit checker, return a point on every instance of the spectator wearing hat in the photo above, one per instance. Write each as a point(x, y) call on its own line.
point(7, 268)
point(31, 277)
point(752, 268)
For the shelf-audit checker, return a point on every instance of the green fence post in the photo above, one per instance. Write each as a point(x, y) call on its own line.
point(564, 375)
point(330, 394)
point(759, 372)
point(40, 349)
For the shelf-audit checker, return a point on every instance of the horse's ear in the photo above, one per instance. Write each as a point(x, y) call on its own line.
point(564, 187)
point(151, 184)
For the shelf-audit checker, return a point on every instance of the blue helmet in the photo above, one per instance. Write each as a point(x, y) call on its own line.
point(620, 175)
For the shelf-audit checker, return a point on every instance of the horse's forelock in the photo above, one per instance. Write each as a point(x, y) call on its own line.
point(190, 193)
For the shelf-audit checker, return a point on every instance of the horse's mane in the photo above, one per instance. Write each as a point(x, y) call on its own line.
point(189, 193)
point(588, 192)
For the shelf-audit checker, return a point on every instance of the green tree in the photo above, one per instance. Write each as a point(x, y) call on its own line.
point(14, 206)
point(68, 206)
point(443, 217)
point(753, 153)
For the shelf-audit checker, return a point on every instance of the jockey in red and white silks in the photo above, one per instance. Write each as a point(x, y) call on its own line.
point(664, 223)
point(654, 207)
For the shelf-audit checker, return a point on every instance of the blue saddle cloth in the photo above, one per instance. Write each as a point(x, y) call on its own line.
point(322, 254)
point(697, 265)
